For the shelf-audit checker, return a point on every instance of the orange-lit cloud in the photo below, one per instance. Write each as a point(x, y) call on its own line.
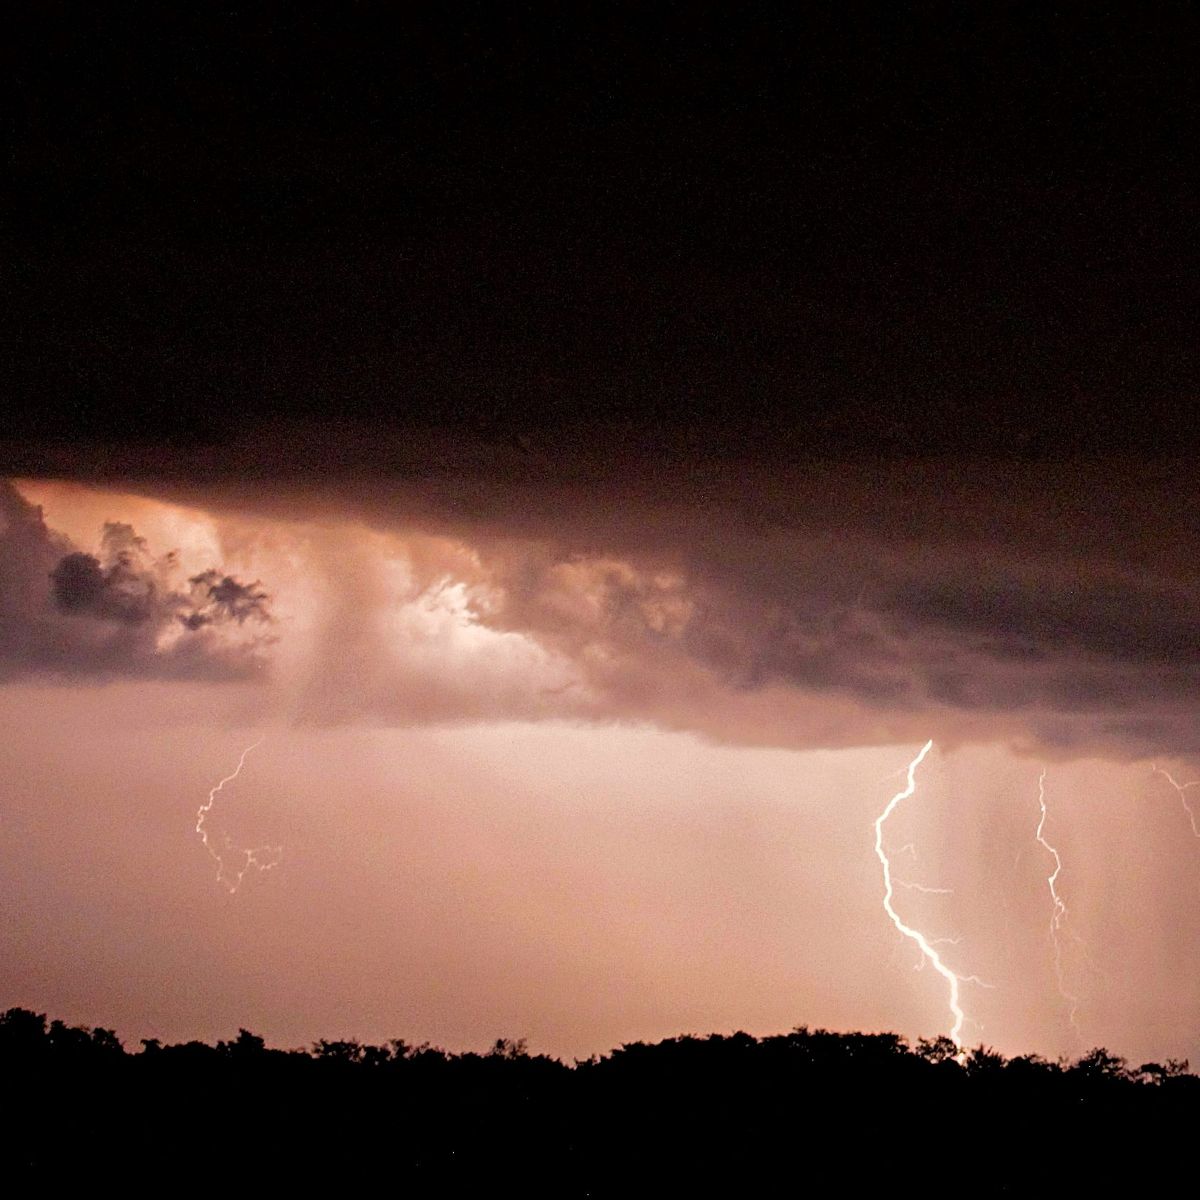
point(118, 611)
point(811, 606)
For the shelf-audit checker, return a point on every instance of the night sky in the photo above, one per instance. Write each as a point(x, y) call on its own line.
point(593, 449)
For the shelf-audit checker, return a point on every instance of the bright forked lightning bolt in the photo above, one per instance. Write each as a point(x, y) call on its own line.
point(1182, 788)
point(261, 858)
point(928, 952)
point(1059, 912)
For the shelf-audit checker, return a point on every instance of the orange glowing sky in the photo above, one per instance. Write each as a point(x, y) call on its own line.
point(501, 817)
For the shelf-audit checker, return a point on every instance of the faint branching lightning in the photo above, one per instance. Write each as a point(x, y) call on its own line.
point(261, 858)
point(925, 891)
point(1181, 788)
point(1058, 913)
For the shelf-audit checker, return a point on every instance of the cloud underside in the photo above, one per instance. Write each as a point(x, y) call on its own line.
point(776, 603)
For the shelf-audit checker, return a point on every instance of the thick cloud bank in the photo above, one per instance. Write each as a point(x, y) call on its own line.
point(788, 602)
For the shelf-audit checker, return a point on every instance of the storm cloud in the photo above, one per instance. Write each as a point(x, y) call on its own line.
point(121, 612)
point(787, 602)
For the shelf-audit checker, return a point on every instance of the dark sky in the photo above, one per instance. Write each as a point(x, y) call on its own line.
point(909, 228)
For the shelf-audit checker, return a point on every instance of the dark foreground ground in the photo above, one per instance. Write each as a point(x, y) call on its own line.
point(803, 1113)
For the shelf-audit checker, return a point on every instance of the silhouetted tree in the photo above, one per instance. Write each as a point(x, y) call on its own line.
point(1157, 1073)
point(937, 1050)
point(507, 1048)
point(244, 1046)
point(1099, 1064)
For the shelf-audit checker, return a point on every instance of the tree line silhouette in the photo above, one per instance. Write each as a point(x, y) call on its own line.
point(713, 1115)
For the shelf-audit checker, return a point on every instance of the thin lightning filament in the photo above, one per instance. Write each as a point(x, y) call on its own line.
point(1058, 912)
point(1182, 788)
point(261, 858)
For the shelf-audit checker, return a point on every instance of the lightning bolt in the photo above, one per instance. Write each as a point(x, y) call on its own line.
point(1058, 913)
point(1181, 788)
point(925, 891)
point(928, 952)
point(261, 858)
